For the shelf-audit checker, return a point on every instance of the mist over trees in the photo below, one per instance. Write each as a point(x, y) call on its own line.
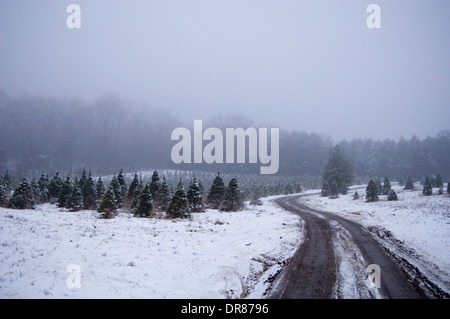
point(65, 135)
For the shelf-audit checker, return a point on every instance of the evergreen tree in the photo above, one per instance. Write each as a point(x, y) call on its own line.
point(216, 192)
point(22, 198)
point(448, 188)
point(64, 192)
point(100, 188)
point(44, 195)
point(325, 192)
point(54, 186)
point(356, 195)
point(378, 185)
point(75, 199)
point(392, 195)
point(7, 181)
point(178, 206)
point(232, 200)
point(334, 190)
point(3, 193)
point(427, 187)
point(338, 170)
point(122, 184)
point(89, 193)
point(386, 186)
point(409, 184)
point(155, 186)
point(145, 203)
point(164, 196)
point(35, 190)
point(440, 191)
point(108, 206)
point(194, 196)
point(82, 179)
point(371, 192)
point(134, 183)
point(117, 191)
point(401, 182)
point(136, 194)
point(439, 182)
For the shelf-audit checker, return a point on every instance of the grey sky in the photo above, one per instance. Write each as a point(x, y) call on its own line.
point(299, 65)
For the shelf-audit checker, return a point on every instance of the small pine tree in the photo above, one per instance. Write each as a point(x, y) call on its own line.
point(427, 187)
point(164, 196)
point(356, 195)
point(334, 191)
point(440, 191)
point(108, 206)
point(54, 186)
point(448, 188)
point(178, 206)
point(22, 198)
point(3, 192)
point(82, 179)
point(325, 189)
point(35, 190)
point(122, 184)
point(6, 180)
point(64, 192)
point(117, 191)
point(100, 188)
point(232, 200)
point(44, 195)
point(378, 185)
point(134, 183)
point(392, 195)
point(75, 199)
point(155, 186)
point(386, 186)
point(194, 196)
point(145, 203)
point(136, 194)
point(371, 192)
point(89, 193)
point(216, 192)
point(439, 182)
point(409, 184)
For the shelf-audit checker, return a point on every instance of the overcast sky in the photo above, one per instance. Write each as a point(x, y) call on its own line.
point(299, 65)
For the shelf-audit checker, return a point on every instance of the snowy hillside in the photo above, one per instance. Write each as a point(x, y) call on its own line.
point(210, 255)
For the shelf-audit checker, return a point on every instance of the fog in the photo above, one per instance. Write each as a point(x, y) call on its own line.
point(310, 66)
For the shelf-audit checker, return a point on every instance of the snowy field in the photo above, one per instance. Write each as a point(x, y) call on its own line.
point(420, 223)
point(211, 255)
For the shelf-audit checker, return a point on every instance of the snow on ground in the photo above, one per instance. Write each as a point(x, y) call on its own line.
point(421, 222)
point(211, 255)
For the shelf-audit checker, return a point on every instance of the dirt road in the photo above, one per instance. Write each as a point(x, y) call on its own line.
point(317, 272)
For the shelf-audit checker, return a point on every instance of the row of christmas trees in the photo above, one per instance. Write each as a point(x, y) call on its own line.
point(375, 188)
point(141, 199)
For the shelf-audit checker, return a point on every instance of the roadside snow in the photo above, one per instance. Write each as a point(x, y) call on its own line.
point(421, 222)
point(211, 255)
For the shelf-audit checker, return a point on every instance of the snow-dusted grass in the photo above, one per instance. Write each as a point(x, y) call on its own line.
point(211, 255)
point(421, 222)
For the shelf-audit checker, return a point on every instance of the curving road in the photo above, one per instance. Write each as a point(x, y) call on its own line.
point(313, 271)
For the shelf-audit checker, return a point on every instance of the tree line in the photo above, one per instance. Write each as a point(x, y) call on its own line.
point(56, 134)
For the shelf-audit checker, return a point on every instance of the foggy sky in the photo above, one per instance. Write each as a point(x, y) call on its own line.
point(298, 65)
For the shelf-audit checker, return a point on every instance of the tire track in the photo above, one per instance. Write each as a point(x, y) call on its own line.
point(312, 273)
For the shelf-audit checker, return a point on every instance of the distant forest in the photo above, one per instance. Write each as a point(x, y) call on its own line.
point(65, 135)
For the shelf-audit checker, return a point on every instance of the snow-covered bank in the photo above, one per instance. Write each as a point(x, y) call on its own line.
point(211, 255)
point(422, 223)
